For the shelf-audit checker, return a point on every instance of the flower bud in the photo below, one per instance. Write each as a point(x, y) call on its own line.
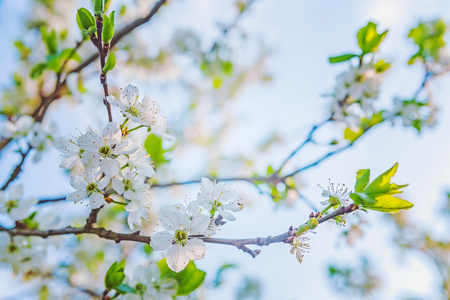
point(302, 229)
point(312, 223)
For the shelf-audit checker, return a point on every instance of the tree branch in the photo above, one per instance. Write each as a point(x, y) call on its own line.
point(17, 169)
point(135, 237)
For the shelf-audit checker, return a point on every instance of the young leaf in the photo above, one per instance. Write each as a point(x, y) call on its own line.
point(188, 280)
point(381, 66)
point(341, 58)
point(111, 19)
point(107, 30)
point(98, 7)
point(110, 63)
point(382, 184)
point(115, 275)
point(153, 146)
point(369, 39)
point(37, 70)
point(389, 204)
point(85, 19)
point(125, 288)
point(362, 180)
point(378, 194)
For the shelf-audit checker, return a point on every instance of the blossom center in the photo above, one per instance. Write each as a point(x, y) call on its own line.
point(12, 248)
point(105, 151)
point(181, 237)
point(91, 188)
point(128, 185)
point(132, 110)
point(10, 205)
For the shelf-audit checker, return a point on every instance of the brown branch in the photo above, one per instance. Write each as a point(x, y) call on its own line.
point(92, 219)
point(17, 169)
point(51, 200)
point(135, 237)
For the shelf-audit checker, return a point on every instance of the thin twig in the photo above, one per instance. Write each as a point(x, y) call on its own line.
point(17, 169)
point(308, 139)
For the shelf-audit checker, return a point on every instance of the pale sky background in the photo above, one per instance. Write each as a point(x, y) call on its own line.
point(301, 35)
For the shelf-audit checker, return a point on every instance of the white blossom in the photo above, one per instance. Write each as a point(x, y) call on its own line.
point(89, 184)
point(179, 225)
point(17, 129)
point(102, 150)
point(129, 183)
point(143, 111)
point(147, 282)
point(339, 193)
point(139, 209)
point(218, 197)
point(299, 246)
point(42, 138)
point(12, 204)
point(71, 151)
point(141, 161)
point(358, 83)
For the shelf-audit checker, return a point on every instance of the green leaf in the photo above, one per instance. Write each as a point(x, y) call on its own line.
point(111, 18)
point(378, 194)
point(369, 39)
point(381, 66)
point(85, 19)
point(37, 70)
point(98, 7)
point(362, 180)
point(351, 135)
point(341, 58)
point(382, 184)
point(115, 275)
point(107, 30)
point(107, 3)
point(429, 37)
point(110, 63)
point(64, 55)
point(23, 50)
point(362, 199)
point(153, 146)
point(125, 288)
point(188, 280)
point(389, 204)
point(148, 249)
point(50, 40)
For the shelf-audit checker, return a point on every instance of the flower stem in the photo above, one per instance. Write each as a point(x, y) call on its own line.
point(117, 202)
point(140, 126)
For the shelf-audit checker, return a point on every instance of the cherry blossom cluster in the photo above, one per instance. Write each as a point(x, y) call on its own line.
point(112, 162)
point(355, 92)
point(186, 225)
point(35, 134)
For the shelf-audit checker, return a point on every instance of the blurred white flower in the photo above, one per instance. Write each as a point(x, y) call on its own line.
point(147, 282)
point(12, 204)
point(17, 129)
point(139, 209)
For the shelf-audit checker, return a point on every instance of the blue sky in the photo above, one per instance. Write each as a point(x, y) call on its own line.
point(302, 35)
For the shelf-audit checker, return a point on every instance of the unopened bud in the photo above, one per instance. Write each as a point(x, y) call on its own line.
point(312, 223)
point(302, 229)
